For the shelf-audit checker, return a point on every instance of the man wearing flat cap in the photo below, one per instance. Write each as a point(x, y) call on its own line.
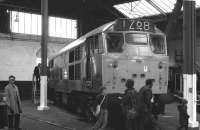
point(145, 106)
point(13, 104)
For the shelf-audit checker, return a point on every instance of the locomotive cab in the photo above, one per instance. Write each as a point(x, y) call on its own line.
point(137, 52)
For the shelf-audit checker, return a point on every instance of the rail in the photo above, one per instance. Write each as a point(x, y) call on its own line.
point(48, 122)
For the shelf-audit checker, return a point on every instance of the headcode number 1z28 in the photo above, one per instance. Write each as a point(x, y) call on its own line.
point(140, 25)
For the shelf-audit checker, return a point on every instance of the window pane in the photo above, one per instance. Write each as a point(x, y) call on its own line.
point(57, 27)
point(34, 24)
point(198, 3)
point(114, 42)
point(123, 11)
point(71, 72)
point(157, 44)
point(15, 21)
point(78, 53)
point(71, 56)
point(136, 39)
point(39, 25)
point(62, 27)
point(69, 23)
point(27, 23)
point(21, 22)
point(77, 71)
point(162, 6)
point(142, 9)
point(153, 10)
point(52, 26)
point(74, 29)
point(63, 30)
point(31, 24)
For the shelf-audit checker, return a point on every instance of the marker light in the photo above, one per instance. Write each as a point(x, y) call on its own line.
point(134, 75)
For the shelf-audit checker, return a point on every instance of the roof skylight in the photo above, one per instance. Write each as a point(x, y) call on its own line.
point(143, 8)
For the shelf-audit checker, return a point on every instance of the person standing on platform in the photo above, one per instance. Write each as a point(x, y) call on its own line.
point(101, 110)
point(146, 120)
point(37, 74)
point(13, 103)
point(129, 101)
point(183, 115)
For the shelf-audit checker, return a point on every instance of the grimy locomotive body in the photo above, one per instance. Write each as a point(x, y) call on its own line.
point(106, 57)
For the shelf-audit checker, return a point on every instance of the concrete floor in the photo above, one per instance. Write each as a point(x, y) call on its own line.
point(52, 119)
point(59, 119)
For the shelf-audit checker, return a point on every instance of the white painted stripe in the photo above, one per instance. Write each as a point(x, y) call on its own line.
point(190, 94)
point(167, 116)
point(43, 93)
point(188, 0)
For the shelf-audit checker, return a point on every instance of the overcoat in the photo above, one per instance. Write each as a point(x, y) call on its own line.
point(145, 95)
point(183, 115)
point(13, 99)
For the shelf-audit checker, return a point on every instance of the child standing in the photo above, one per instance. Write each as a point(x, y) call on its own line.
point(183, 115)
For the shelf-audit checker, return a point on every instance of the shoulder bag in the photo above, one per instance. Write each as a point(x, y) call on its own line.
point(131, 113)
point(98, 108)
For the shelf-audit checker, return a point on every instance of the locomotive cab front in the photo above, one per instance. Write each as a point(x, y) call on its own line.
point(135, 54)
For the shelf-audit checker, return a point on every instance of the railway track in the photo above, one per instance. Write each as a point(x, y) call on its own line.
point(31, 117)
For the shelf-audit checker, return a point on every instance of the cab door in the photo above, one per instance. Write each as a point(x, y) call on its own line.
point(93, 65)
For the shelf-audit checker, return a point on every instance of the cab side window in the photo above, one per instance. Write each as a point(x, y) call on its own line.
point(96, 43)
point(114, 42)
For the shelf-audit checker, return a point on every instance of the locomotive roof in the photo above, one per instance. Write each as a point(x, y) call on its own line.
point(82, 39)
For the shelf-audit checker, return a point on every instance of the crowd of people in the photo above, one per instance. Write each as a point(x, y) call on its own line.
point(138, 109)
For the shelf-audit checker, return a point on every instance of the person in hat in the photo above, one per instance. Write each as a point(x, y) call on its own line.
point(13, 104)
point(101, 111)
point(129, 101)
point(145, 117)
point(183, 115)
point(146, 95)
point(36, 73)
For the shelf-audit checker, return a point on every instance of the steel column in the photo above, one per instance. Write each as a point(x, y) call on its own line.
point(189, 76)
point(44, 41)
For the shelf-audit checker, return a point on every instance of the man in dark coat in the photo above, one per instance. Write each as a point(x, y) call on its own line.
point(129, 101)
point(146, 120)
point(102, 102)
point(14, 104)
point(183, 115)
point(37, 74)
point(146, 95)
